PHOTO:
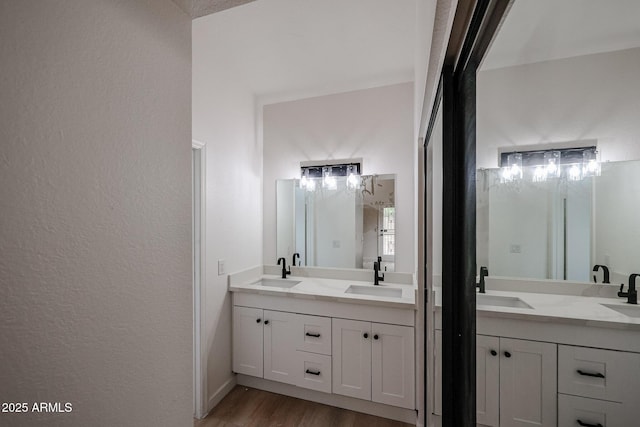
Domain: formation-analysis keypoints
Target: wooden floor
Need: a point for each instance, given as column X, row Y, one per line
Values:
column 256, row 408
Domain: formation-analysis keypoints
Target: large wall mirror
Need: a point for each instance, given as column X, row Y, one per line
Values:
column 342, row 227
column 559, row 78
column 560, row 228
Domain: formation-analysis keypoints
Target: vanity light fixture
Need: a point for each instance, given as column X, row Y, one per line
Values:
column 572, row 164
column 328, row 175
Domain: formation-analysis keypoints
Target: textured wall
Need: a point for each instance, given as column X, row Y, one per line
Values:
column 373, row 124
column 95, row 223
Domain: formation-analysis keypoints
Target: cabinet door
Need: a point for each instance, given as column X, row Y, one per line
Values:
column 437, row 373
column 487, row 380
column 581, row 411
column 528, row 383
column 247, row 341
column 351, row 358
column 279, row 346
column 393, row 365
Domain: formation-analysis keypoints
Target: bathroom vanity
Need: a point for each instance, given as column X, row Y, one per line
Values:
column 328, row 335
column 569, row 357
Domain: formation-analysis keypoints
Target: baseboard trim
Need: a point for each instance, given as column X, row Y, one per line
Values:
column 344, row 402
column 220, row 393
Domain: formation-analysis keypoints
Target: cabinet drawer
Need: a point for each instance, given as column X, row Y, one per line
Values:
column 599, row 374
column 314, row 371
column 314, row 334
column 582, row 411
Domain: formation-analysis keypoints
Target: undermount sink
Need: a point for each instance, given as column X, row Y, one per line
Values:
column 627, row 310
column 500, row 301
column 376, row 291
column 277, row 283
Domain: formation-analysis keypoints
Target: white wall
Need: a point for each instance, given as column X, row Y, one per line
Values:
column 224, row 119
column 373, row 124
column 95, row 230
column 586, row 97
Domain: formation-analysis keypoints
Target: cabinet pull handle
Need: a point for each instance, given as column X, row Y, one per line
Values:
column 309, row 334
column 507, row 354
column 583, row 424
column 366, row 335
column 494, row 353
column 258, row 320
column 375, row 337
column 312, row 372
column 266, row 322
column 590, row 374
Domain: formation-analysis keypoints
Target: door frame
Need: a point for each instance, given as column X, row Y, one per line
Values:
column 475, row 24
column 199, row 288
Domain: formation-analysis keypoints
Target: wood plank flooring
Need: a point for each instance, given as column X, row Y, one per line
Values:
column 247, row 407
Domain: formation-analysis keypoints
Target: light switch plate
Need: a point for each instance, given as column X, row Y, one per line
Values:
column 221, row 267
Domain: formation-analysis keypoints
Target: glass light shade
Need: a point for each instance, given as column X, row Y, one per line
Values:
column 552, row 163
column 328, row 180
column 590, row 163
column 306, row 181
column 353, row 178
column 540, row 174
column 574, row 173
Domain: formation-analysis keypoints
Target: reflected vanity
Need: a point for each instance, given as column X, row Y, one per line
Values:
column 341, row 227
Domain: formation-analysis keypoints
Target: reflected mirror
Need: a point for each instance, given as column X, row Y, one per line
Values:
column 560, row 228
column 339, row 227
column 560, row 78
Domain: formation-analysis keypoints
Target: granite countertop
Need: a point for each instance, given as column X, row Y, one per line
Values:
column 332, row 287
column 558, row 308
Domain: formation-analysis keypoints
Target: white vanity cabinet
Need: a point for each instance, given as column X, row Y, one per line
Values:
column 271, row 344
column 515, row 380
column 248, row 341
column 374, row 361
column 597, row 387
column 528, row 383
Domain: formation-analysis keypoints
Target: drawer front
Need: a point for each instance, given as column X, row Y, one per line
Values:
column 585, row 412
column 314, row 334
column 314, row 371
column 599, row 374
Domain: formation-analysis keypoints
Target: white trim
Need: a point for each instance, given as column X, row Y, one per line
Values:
column 220, row 394
column 197, row 144
column 199, row 299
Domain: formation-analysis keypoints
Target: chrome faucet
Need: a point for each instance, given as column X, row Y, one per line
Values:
column 605, row 269
column 284, row 268
column 632, row 293
column 376, row 269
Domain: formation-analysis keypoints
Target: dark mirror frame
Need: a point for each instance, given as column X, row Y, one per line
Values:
column 474, row 27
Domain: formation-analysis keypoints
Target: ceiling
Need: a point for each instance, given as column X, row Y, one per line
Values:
column 542, row 30
column 197, row 8
column 288, row 49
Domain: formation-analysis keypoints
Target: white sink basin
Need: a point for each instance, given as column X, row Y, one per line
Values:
column 628, row 310
column 376, row 291
column 277, row 283
column 500, row 301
